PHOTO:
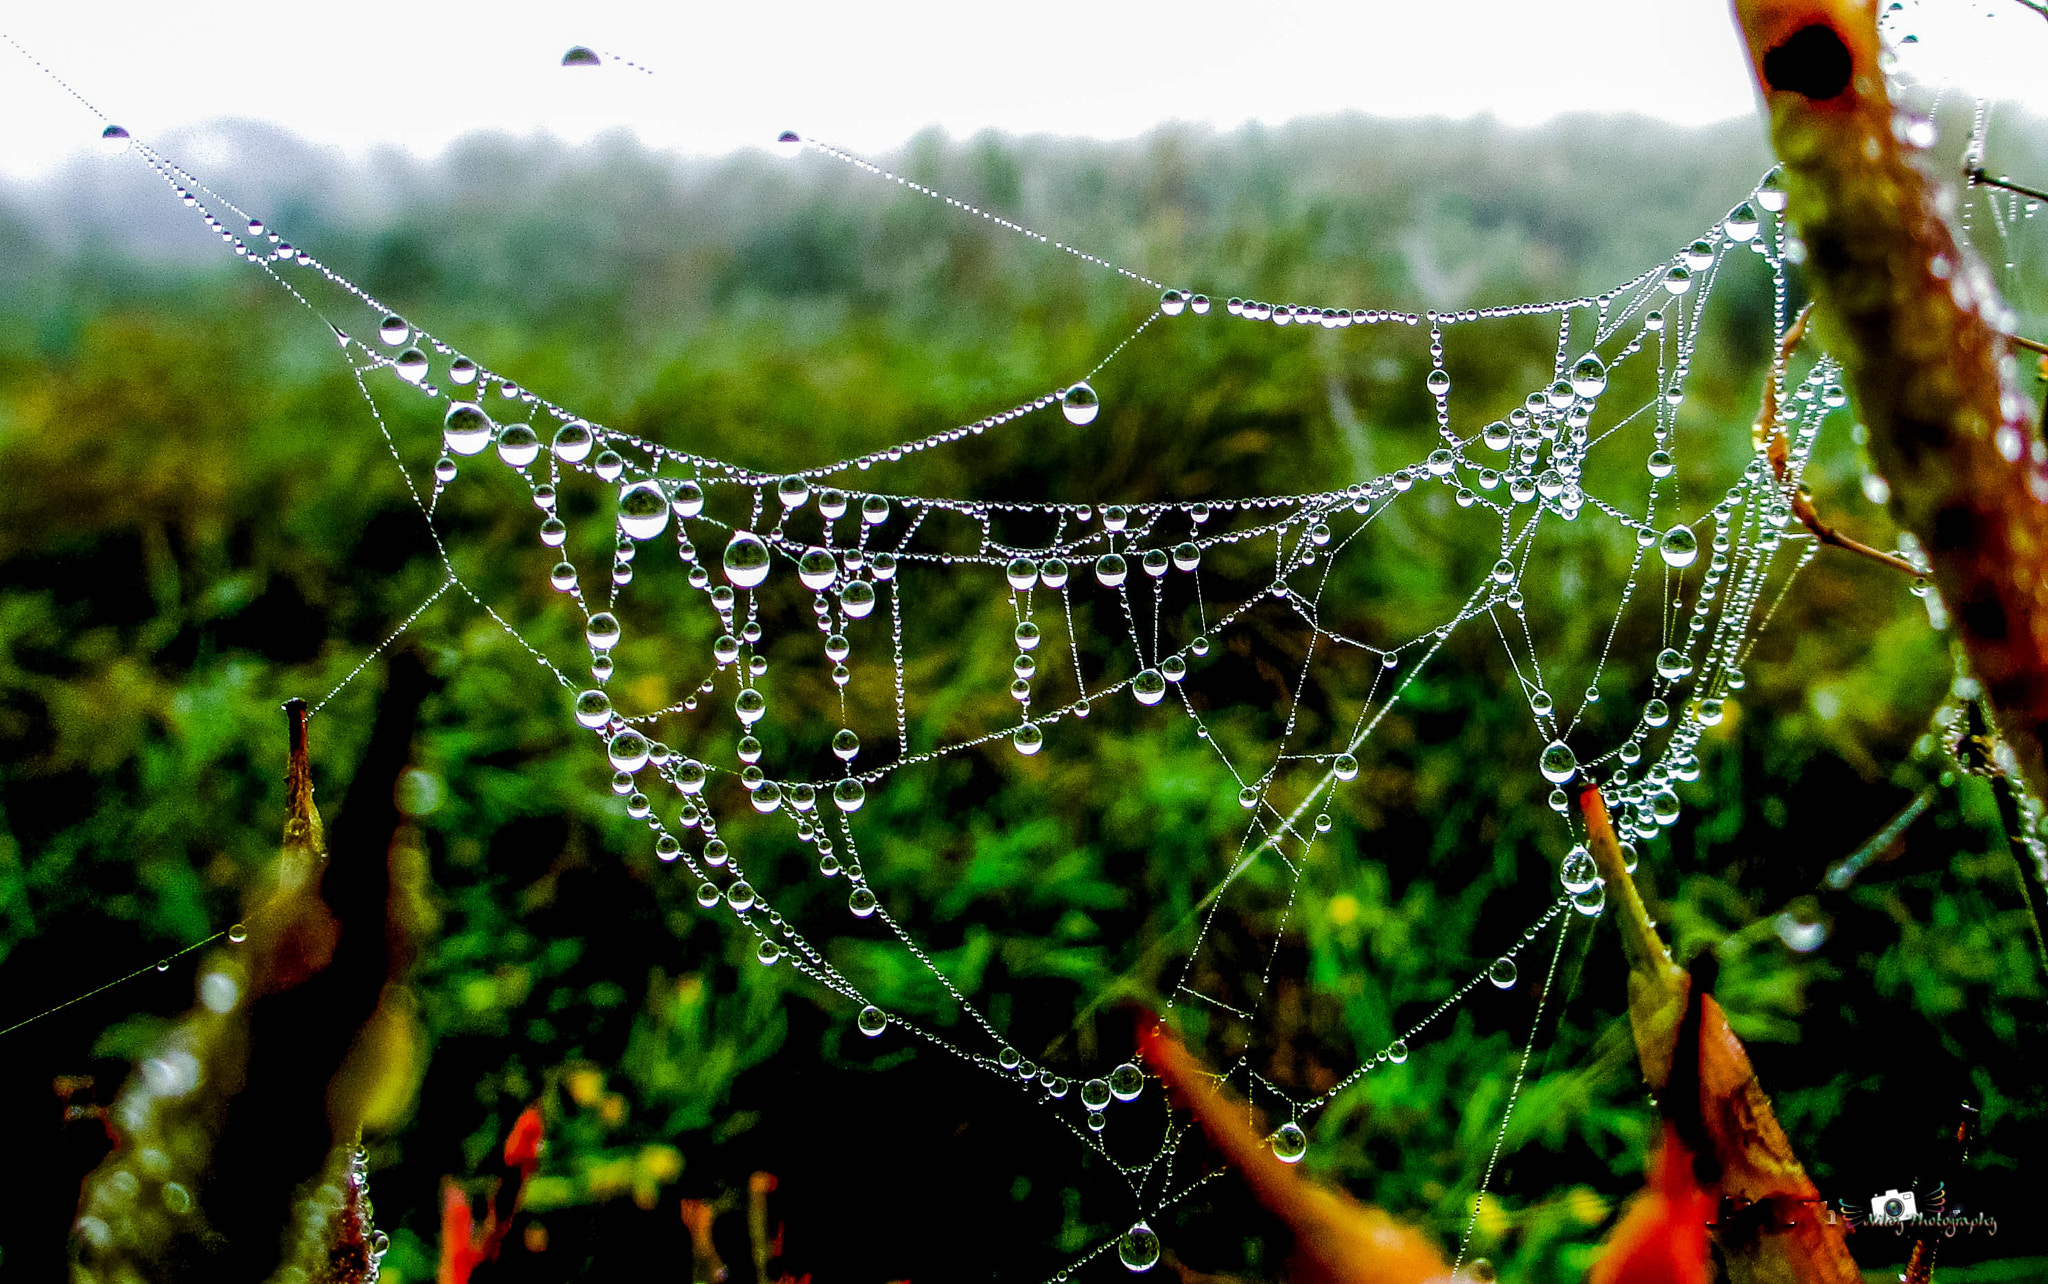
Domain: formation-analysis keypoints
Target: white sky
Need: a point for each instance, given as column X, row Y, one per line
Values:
column 869, row 75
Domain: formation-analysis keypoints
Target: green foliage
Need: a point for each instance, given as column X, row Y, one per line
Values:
column 200, row 520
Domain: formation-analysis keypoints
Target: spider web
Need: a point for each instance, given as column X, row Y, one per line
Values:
column 826, row 569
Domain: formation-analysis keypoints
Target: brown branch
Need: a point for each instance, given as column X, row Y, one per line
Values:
column 1772, row 1226
column 1918, row 325
column 275, row 1062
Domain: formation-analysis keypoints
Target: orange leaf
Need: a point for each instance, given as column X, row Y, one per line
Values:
column 1337, row 1240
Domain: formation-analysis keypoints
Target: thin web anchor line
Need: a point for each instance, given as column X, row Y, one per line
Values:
column 385, row 645
column 146, row 968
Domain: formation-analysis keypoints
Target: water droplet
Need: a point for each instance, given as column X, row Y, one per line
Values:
column 1741, row 223
column 1659, row 463
column 1656, row 713
column 1699, row 255
column 857, row 599
column 1672, row 664
column 573, row 442
column 750, row 705
column 518, row 445
column 861, row 902
column 849, row 794
column 1110, row 570
column 628, row 751
column 1558, row 763
column 581, row 56
column 1771, row 192
column 1589, row 377
column 1095, row 1094
column 687, row 500
column 1149, row 686
column 817, row 568
column 238, row 933
column 1187, row 556
column 1679, row 547
column 593, row 708
column 1503, row 973
column 746, row 560
column 769, row 952
column 1289, row 1143
column 1172, row 302
column 1126, row 1082
column 1590, row 901
column 1138, row 1248
column 1802, row 926
column 1028, row 739
column 740, row 896
column 466, row 429
column 1438, row 383
column 1578, row 872
column 393, row 330
column 1080, row 404
column 1712, row 710
column 114, row 140
column 872, row 1020
column 1540, row 702
column 1664, row 807
column 411, row 365
column 1344, row 767
column 602, row 632
column 1027, row 636
column 1397, row 1051
column 643, row 510
column 1679, row 279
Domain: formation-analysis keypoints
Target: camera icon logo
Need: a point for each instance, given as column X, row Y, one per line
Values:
column 1895, row 1206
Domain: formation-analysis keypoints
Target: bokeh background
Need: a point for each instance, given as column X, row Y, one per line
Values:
column 199, row 520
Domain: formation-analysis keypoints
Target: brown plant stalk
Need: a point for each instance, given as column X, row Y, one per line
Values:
column 1773, row 1227
column 1924, row 340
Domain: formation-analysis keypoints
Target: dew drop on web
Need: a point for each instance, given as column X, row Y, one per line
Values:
column 746, row 560
column 1138, row 1248
column 1289, row 1143
column 1080, row 404
column 1679, row 547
